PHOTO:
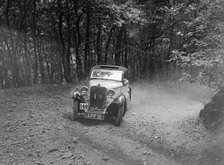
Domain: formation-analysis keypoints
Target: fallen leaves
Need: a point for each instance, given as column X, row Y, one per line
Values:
column 7, row 123
column 52, row 150
column 105, row 158
column 75, row 140
column 67, row 155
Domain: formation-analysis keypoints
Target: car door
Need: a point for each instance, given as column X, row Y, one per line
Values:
column 125, row 91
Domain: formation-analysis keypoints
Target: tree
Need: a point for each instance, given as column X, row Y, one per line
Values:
column 56, row 41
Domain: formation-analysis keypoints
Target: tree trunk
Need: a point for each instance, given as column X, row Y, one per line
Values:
column 12, row 54
column 41, row 64
column 27, row 61
column 108, row 44
column 98, row 42
column 78, row 58
column 35, row 80
column 118, row 46
column 48, row 78
column 1, row 78
column 60, row 23
column 52, row 64
column 68, row 76
column 7, row 83
column 87, row 41
column 125, row 60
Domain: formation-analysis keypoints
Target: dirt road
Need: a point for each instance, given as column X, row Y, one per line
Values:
column 161, row 128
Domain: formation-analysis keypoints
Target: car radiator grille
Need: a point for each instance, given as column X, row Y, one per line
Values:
column 97, row 97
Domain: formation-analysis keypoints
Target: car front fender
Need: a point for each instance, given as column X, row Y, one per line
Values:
column 120, row 100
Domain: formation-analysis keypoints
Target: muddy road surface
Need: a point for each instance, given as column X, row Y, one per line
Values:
column 160, row 128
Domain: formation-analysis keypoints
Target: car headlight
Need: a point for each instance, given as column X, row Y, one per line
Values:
column 84, row 90
column 76, row 93
column 110, row 92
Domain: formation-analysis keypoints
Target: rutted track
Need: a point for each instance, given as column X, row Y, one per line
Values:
column 36, row 129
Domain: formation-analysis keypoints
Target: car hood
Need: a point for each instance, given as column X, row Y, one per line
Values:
column 109, row 84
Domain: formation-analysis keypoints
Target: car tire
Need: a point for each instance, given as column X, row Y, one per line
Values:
column 75, row 109
column 120, row 114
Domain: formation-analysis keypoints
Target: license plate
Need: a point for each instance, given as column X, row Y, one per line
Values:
column 94, row 116
column 84, row 106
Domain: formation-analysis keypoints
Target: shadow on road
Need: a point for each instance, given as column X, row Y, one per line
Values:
column 89, row 122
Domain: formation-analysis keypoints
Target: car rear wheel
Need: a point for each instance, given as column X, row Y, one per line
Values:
column 120, row 114
column 75, row 108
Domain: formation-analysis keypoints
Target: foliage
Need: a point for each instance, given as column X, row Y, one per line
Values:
column 203, row 42
column 59, row 40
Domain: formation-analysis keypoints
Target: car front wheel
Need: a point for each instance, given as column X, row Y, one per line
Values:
column 75, row 108
column 120, row 114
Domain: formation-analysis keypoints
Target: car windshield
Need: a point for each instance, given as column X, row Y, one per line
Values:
column 107, row 74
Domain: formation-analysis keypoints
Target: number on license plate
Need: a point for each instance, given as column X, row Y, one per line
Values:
column 84, row 106
column 94, row 116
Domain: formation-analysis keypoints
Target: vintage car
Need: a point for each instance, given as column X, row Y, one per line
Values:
column 107, row 96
